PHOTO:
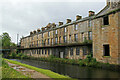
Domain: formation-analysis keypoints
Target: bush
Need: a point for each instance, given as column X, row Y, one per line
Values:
column 12, row 55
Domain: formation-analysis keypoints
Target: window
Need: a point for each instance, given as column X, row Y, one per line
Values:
column 56, row 40
column 84, row 51
column 32, row 43
column 39, row 51
column 42, row 51
column 56, row 32
column 60, row 39
column 90, row 23
column 106, row 20
column 52, row 41
column 77, row 51
column 37, row 36
column 65, row 29
column 83, row 36
column 42, row 35
column 65, row 39
column 48, row 34
column 76, row 37
column 42, row 42
column 76, row 27
column 71, row 51
column 45, row 51
column 48, row 51
column 37, row 43
column 90, row 35
column 70, row 37
column 45, row 41
column 106, row 50
column 48, row 41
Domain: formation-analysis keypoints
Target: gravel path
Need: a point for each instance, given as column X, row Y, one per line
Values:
column 28, row 72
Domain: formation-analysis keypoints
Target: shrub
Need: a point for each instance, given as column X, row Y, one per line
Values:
column 12, row 55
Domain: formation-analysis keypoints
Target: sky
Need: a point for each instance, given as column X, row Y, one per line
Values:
column 22, row 16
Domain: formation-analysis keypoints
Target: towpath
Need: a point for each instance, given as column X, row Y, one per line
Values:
column 28, row 72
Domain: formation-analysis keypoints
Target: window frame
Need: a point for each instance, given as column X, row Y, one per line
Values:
column 104, row 21
column 56, row 32
column 75, row 37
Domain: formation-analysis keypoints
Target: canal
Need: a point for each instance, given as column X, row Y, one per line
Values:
column 73, row 71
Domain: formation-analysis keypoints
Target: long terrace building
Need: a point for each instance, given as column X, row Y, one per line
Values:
column 97, row 34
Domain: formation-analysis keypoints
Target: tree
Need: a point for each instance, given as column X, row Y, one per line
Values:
column 6, row 40
column 13, row 44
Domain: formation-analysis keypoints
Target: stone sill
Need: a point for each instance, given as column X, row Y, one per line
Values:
column 106, row 56
column 103, row 26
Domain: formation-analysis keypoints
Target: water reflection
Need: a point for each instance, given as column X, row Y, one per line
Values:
column 72, row 70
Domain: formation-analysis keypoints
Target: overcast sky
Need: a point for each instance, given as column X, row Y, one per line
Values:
column 22, row 16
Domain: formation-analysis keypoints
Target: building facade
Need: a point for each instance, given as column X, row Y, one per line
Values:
column 97, row 34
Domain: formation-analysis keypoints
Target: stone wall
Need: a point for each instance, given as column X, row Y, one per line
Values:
column 106, row 34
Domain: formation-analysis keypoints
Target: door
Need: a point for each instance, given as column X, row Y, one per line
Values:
column 61, row 54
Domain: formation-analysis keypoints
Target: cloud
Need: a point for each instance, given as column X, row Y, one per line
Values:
column 22, row 16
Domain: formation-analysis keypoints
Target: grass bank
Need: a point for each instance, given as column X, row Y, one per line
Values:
column 49, row 73
column 8, row 72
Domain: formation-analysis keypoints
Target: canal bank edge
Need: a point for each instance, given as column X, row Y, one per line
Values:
column 49, row 73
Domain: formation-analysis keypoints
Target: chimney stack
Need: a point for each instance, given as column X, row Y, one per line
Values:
column 91, row 13
column 108, row 2
column 68, row 21
column 38, row 30
column 60, row 23
column 34, row 31
column 48, row 26
column 54, row 25
column 31, row 33
column 78, row 17
column 43, row 28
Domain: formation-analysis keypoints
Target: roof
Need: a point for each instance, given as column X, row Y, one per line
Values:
column 104, row 11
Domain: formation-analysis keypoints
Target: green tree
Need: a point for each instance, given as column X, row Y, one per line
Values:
column 12, row 44
column 6, row 40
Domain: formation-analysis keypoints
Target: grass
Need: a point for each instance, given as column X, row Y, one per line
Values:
column 43, row 71
column 8, row 72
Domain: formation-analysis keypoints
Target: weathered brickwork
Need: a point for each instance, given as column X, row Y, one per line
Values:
column 96, row 34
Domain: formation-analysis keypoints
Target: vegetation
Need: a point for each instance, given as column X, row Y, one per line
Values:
column 19, row 56
column 87, row 41
column 43, row 71
column 8, row 72
column 89, row 61
column 5, row 40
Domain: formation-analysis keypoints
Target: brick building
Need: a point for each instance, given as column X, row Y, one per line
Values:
column 97, row 34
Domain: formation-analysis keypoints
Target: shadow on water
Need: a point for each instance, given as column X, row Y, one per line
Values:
column 73, row 71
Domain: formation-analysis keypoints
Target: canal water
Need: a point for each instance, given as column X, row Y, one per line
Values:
column 73, row 71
